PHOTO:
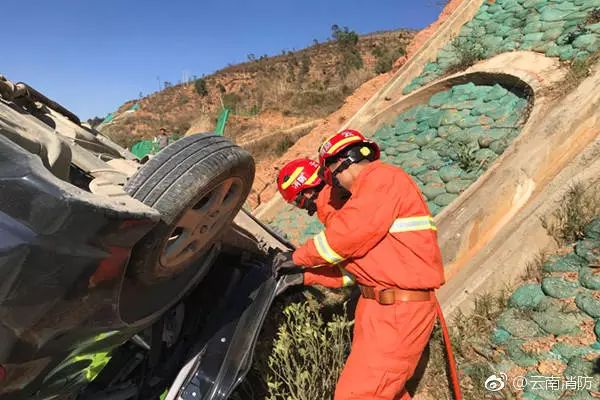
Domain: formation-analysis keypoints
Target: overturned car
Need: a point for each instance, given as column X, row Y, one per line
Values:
column 122, row 279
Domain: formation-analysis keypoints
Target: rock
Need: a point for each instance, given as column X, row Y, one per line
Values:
column 450, row 172
column 527, row 296
column 517, row 324
column 500, row 336
column 444, row 199
column 433, row 189
column 405, row 147
column 592, row 230
column 559, row 288
column 457, row 186
column 588, row 304
column 557, row 323
column 568, row 263
column 590, row 250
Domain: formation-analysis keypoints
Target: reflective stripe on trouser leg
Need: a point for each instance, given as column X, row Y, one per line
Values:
column 325, row 251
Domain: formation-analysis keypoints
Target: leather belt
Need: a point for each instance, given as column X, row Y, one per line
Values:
column 395, row 295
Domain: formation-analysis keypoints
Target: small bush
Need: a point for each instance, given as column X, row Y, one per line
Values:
column 578, row 70
column 308, row 354
column 593, row 17
column 579, row 206
column 231, row 101
column 200, row 86
column 466, row 157
column 469, row 50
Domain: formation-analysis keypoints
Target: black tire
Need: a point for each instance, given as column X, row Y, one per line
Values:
column 176, row 181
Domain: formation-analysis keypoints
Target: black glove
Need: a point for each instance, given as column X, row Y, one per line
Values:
column 288, row 281
column 282, row 263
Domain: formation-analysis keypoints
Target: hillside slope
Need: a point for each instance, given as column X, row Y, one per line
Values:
column 266, row 94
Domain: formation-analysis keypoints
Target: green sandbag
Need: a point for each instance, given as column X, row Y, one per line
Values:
column 428, row 154
column 439, row 98
column 490, row 135
column 434, row 209
column 518, row 324
column 425, row 112
column 496, row 93
column 517, row 355
column 500, row 336
column 406, row 127
column 433, row 189
column 567, row 263
column 590, row 278
column 410, row 155
column 568, row 351
column 559, row 288
column 405, row 147
column 527, row 296
column 446, row 130
column 592, row 230
column 445, row 199
column 557, row 323
column 588, row 303
column 430, row 177
column 450, row 172
column 422, row 127
column 589, row 42
column 391, row 151
column 589, row 249
column 424, row 138
column 498, row 146
column 436, row 164
column 457, row 186
column 578, row 366
column 485, row 155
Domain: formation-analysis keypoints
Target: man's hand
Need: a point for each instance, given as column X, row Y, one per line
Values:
column 282, row 263
column 288, row 281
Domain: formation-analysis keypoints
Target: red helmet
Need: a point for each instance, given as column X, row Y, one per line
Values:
column 341, row 141
column 296, row 176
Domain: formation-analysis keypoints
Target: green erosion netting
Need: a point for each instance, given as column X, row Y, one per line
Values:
column 554, row 323
column 445, row 145
column 557, row 28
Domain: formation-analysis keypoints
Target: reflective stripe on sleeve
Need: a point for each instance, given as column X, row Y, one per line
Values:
column 412, row 224
column 325, row 251
column 347, row 277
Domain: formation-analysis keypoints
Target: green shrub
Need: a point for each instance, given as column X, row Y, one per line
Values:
column 231, row 101
column 308, row 354
column 200, row 86
column 469, row 50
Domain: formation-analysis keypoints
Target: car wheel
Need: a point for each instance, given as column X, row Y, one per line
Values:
column 198, row 184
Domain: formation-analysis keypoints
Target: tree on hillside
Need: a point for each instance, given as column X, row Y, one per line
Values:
column 347, row 43
column 200, row 86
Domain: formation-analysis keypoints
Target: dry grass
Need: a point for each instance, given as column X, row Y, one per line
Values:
column 577, row 71
column 580, row 205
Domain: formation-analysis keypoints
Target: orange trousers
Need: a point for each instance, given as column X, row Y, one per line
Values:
column 387, row 345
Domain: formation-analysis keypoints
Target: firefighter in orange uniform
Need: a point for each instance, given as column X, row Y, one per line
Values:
column 299, row 184
column 386, row 232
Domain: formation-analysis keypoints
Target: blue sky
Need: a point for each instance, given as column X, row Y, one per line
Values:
column 92, row 56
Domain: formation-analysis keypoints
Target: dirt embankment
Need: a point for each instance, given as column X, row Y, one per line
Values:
column 267, row 169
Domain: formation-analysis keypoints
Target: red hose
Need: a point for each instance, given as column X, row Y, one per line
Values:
column 449, row 353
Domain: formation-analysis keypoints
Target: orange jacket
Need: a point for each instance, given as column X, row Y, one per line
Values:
column 385, row 230
column 331, row 276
